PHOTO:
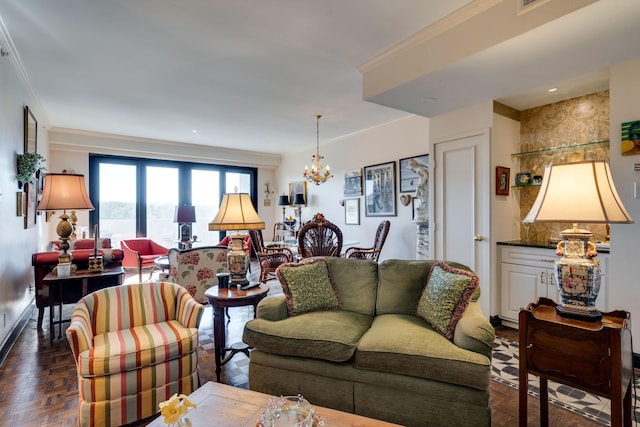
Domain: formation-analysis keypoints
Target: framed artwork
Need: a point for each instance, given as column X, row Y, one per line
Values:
column 296, row 188
column 352, row 211
column 30, row 132
column 409, row 179
column 502, row 181
column 380, row 189
column 630, row 138
column 31, row 204
column 353, row 183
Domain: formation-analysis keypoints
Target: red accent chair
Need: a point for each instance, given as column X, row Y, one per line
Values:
column 141, row 253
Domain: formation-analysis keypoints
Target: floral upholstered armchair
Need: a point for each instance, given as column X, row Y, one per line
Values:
column 195, row 269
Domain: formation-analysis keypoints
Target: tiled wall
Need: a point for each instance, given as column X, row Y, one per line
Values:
column 545, row 131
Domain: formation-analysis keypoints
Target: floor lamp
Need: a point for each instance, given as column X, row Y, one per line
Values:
column 237, row 213
column 581, row 192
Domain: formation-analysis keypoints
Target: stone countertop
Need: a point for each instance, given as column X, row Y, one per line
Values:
column 601, row 248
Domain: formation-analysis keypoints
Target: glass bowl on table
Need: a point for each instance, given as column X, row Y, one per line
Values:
column 289, row 411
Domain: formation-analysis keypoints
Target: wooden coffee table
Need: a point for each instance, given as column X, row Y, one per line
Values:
column 226, row 406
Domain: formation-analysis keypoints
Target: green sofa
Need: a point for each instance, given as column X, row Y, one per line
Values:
column 374, row 356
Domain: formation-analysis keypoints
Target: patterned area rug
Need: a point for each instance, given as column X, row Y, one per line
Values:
column 505, row 371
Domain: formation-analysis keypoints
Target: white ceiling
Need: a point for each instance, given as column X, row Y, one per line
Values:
column 252, row 74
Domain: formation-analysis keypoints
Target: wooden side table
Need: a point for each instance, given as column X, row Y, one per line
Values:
column 220, row 299
column 109, row 276
column 592, row 356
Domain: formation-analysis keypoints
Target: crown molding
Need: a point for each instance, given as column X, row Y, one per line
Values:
column 447, row 23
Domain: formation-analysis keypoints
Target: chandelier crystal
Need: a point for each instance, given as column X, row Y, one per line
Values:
column 318, row 173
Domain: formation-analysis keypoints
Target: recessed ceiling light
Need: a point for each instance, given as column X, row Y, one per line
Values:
column 194, row 131
column 553, row 89
column 429, row 99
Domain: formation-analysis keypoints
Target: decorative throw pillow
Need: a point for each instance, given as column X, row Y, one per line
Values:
column 446, row 296
column 308, row 286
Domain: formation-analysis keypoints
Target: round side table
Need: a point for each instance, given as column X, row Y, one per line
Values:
column 220, row 299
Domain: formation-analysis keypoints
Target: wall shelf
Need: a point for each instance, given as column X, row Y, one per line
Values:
column 559, row 149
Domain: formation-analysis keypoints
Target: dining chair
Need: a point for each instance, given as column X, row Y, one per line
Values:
column 319, row 237
column 372, row 253
column 269, row 258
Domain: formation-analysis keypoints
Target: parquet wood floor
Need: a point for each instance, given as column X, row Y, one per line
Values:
column 38, row 386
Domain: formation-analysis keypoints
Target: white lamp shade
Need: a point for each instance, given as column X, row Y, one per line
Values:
column 236, row 213
column 64, row 191
column 581, row 192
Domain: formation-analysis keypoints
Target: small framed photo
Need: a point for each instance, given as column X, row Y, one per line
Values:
column 380, row 189
column 409, row 178
column 502, row 181
column 523, row 179
column 352, row 211
column 353, row 183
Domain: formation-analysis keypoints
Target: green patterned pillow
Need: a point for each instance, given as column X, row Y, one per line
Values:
column 446, row 296
column 308, row 286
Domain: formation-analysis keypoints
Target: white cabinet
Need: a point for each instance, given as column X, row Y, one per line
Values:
column 527, row 273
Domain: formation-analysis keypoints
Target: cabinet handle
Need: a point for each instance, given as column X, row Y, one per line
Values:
column 542, row 277
column 529, row 346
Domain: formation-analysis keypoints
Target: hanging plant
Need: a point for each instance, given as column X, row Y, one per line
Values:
column 28, row 165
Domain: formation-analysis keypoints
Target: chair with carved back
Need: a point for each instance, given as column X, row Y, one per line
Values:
column 319, row 237
column 372, row 253
column 269, row 258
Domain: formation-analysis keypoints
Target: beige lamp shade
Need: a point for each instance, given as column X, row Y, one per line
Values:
column 236, row 213
column 64, row 191
column 581, row 192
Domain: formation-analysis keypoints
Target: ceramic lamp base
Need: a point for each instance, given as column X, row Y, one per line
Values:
column 578, row 276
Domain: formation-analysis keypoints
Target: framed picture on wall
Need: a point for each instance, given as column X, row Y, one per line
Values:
column 352, row 211
column 299, row 187
column 502, row 181
column 409, row 179
column 353, row 183
column 30, row 132
column 380, row 189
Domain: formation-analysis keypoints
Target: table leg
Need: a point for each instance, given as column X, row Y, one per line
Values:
column 544, row 403
column 218, row 338
column 51, row 304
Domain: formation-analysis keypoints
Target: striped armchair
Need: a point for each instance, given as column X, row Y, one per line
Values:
column 134, row 347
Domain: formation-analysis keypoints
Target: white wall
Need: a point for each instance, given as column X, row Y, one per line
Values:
column 402, row 138
column 624, row 283
column 17, row 243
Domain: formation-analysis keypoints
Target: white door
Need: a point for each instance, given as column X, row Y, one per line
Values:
column 462, row 205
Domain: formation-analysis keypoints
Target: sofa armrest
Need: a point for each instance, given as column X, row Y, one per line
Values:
column 80, row 333
column 273, row 308
column 188, row 310
column 474, row 332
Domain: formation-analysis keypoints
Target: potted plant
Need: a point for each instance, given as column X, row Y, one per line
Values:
column 28, row 165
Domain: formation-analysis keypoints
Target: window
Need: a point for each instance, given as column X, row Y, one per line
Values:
column 137, row 197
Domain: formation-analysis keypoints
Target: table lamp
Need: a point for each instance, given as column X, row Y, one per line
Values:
column 283, row 201
column 185, row 215
column 64, row 191
column 237, row 213
column 578, row 192
column 298, row 202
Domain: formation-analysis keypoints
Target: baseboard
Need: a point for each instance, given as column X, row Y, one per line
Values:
column 12, row 338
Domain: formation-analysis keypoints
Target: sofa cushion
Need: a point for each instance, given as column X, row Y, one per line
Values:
column 327, row 335
column 308, row 286
column 407, row 345
column 129, row 349
column 446, row 296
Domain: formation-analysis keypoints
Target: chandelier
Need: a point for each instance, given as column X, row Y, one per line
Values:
column 318, row 173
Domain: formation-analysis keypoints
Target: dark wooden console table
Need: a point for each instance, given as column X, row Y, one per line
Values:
column 592, row 356
column 110, row 276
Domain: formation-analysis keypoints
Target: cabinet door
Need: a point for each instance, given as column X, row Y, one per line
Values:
column 552, row 285
column 520, row 285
